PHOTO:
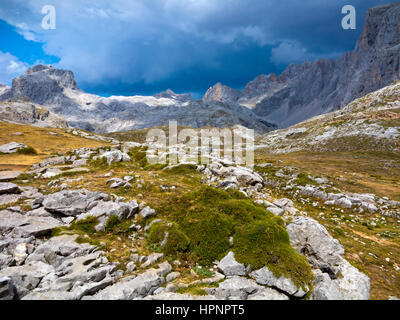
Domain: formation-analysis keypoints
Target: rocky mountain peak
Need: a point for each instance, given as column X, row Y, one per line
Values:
column 169, row 94
column 219, row 92
column 42, row 84
column 313, row 88
column 382, row 28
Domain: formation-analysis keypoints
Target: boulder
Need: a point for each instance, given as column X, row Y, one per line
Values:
column 57, row 249
column 50, row 162
column 152, row 259
column 265, row 277
column 123, row 210
column 9, row 188
column 311, row 238
column 244, row 176
column 352, row 285
column 230, row 267
column 9, row 175
column 134, row 287
column 115, row 156
column 237, row 288
column 325, row 288
column 172, row 276
column 12, row 147
column 27, row 277
column 147, row 212
column 26, row 226
column 72, row 203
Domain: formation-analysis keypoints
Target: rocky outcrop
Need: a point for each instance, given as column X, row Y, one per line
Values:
column 265, row 277
column 26, row 112
column 230, row 267
column 220, row 92
column 335, row 278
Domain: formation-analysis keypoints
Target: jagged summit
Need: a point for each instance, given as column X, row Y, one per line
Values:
column 312, row 88
column 219, row 92
column 169, row 94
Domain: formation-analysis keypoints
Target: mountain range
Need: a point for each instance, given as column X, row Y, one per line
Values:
column 269, row 101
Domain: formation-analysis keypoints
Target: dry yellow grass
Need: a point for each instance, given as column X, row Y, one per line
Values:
column 40, row 139
column 364, row 172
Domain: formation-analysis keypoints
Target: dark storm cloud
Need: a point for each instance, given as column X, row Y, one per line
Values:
column 144, row 46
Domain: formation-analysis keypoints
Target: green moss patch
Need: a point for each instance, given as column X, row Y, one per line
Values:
column 208, row 217
column 175, row 240
column 27, row 151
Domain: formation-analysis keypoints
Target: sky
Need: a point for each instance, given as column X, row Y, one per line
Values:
column 122, row 47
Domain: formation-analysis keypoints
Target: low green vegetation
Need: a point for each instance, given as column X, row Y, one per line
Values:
column 175, row 240
column 27, row 151
column 303, row 179
column 202, row 221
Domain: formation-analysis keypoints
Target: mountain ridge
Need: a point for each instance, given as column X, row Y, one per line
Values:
column 305, row 90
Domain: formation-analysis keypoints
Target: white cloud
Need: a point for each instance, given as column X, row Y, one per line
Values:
column 10, row 67
column 289, row 51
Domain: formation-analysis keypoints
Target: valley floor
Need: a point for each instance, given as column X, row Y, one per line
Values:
column 371, row 239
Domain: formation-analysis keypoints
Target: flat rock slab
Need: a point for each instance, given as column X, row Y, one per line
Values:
column 8, row 188
column 9, row 175
column 6, row 199
column 26, row 226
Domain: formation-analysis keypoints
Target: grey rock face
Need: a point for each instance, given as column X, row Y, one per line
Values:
column 120, row 209
column 27, row 277
column 309, row 237
column 55, row 250
column 220, row 92
column 26, row 112
column 325, row 288
column 353, row 285
column 230, row 267
column 339, row 280
column 9, row 175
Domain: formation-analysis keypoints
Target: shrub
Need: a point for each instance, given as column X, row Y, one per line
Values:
column 111, row 223
column 87, row 225
column 27, row 151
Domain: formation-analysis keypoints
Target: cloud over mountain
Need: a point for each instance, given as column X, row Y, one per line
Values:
column 148, row 43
